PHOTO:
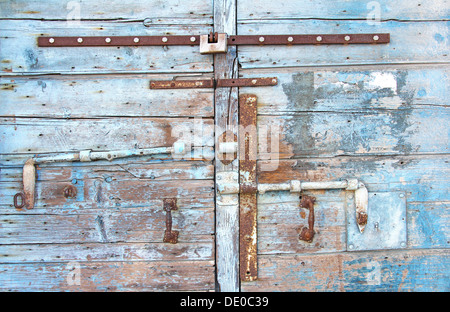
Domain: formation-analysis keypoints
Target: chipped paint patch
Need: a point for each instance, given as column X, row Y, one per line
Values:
column 382, row 80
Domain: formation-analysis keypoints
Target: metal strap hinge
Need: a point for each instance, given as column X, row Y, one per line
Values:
column 214, row 43
column 27, row 197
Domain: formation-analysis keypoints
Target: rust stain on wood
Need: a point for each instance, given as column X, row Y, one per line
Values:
column 247, row 181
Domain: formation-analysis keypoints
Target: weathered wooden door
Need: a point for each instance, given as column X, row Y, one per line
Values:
column 369, row 112
column 110, row 235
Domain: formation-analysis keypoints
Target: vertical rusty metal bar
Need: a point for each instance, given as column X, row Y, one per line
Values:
column 170, row 236
column 248, row 147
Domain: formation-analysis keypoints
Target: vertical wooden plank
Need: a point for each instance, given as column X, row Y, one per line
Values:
column 226, row 118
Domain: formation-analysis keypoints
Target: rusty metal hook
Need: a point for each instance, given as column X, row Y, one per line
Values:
column 307, row 233
column 170, row 236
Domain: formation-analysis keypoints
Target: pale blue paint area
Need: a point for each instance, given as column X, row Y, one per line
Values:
column 398, row 272
column 439, row 38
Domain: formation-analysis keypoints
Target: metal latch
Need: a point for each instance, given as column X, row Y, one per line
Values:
column 295, row 186
column 213, row 43
column 245, row 184
column 29, row 169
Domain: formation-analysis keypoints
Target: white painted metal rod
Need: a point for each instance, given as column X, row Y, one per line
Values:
column 29, row 170
column 177, row 148
column 298, row 186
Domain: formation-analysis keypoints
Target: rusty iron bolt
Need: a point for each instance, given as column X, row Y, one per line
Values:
column 70, row 191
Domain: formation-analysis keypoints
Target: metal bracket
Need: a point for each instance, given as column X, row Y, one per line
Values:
column 213, row 43
column 211, row 83
column 385, row 226
column 248, row 236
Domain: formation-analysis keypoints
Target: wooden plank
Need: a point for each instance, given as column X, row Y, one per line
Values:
column 355, row 89
column 197, row 11
column 21, row 55
column 107, row 252
column 381, row 10
column 120, row 225
column 100, row 96
column 391, row 271
column 102, row 193
column 226, row 118
column 406, row 131
column 108, row 276
column 411, row 42
column 23, row 135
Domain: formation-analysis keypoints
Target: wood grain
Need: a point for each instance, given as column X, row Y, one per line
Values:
column 389, row 271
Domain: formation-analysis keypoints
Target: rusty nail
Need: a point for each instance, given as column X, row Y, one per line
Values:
column 307, row 233
column 70, row 191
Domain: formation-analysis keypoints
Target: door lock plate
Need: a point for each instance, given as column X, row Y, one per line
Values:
column 386, row 223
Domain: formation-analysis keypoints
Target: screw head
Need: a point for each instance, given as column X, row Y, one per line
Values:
column 261, row 39
column 164, row 39
column 274, row 80
column 80, row 40
column 376, row 38
column 70, row 191
column 290, row 39
column 107, row 40
column 254, row 81
column 319, row 38
column 136, row 40
column 351, row 246
column 192, row 39
column 347, row 38
column 51, row 40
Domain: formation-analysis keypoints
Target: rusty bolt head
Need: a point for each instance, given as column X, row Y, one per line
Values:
column 70, row 191
column 307, row 235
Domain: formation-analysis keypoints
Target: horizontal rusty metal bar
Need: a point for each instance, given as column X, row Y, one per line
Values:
column 182, row 84
column 309, row 39
column 115, row 41
column 211, row 83
column 91, row 41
